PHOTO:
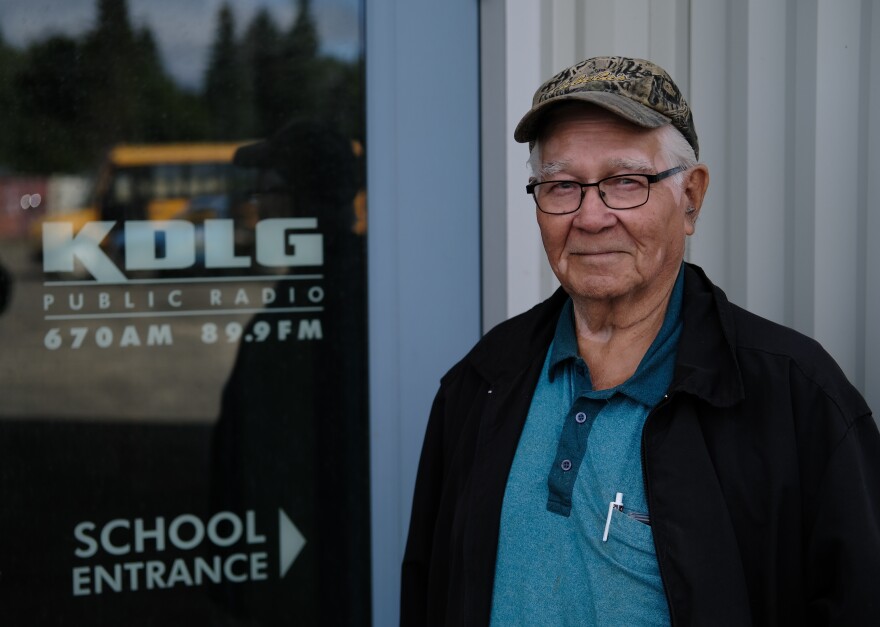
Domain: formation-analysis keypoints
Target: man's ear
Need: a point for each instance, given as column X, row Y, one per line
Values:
column 696, row 184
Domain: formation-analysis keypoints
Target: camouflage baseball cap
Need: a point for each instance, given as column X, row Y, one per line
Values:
column 635, row 89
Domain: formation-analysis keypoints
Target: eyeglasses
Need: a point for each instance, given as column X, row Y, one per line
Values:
column 623, row 191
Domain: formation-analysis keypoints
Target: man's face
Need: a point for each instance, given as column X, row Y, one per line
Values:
column 602, row 254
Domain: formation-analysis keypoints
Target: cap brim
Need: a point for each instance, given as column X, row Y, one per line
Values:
column 622, row 106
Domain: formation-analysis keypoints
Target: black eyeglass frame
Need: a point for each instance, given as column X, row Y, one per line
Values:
column 651, row 178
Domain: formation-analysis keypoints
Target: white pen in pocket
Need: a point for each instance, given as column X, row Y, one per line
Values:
column 616, row 504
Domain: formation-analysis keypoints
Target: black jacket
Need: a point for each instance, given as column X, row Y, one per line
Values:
column 761, row 467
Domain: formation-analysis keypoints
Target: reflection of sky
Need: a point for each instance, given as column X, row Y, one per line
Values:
column 184, row 30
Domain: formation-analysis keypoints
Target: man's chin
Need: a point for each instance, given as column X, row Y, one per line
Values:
column 597, row 289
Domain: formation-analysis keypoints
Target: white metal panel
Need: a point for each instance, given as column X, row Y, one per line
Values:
column 560, row 24
column 646, row 29
column 599, row 38
column 802, row 154
column 525, row 254
column 763, row 191
column 631, row 27
column 837, row 138
column 709, row 246
column 871, row 173
column 735, row 66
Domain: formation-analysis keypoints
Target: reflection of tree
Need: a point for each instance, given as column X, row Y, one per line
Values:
column 283, row 69
column 9, row 62
column 76, row 96
column 165, row 112
column 48, row 96
column 260, row 48
column 299, row 50
column 109, row 52
column 228, row 94
column 284, row 77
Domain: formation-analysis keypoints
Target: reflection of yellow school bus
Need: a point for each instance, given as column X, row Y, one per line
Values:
column 150, row 182
column 197, row 182
column 155, row 182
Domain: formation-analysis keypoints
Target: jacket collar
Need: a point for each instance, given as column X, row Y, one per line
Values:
column 512, row 346
column 706, row 364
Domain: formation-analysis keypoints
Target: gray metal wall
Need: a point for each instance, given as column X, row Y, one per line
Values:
column 423, row 236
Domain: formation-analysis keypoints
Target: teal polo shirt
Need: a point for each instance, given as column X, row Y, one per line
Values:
column 578, row 449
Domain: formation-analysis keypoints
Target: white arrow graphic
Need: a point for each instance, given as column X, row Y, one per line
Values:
column 290, row 542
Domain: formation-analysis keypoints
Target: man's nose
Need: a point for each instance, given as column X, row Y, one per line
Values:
column 593, row 215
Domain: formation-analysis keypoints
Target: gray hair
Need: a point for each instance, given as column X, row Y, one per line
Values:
column 676, row 151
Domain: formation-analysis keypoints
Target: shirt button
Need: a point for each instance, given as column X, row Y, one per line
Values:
column 580, row 417
column 566, row 465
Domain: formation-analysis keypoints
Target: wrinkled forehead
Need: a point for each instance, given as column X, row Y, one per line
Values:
column 567, row 113
column 590, row 134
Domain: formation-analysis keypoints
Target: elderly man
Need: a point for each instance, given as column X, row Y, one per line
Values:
column 636, row 450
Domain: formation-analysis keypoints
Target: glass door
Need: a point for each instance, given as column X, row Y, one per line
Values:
column 183, row 381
